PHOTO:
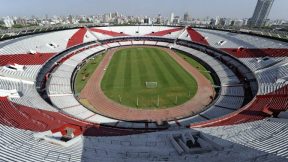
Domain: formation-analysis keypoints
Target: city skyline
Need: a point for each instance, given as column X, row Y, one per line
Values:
column 244, row 8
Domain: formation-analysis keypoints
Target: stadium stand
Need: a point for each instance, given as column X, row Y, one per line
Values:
column 52, row 42
column 164, row 32
column 77, row 38
column 25, row 59
column 109, row 33
column 196, row 37
column 249, row 115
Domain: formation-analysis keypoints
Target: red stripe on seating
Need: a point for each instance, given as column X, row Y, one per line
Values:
column 248, row 53
column 27, row 118
column 25, row 59
column 77, row 38
column 110, row 33
column 3, row 98
column 196, row 36
column 164, row 32
column 275, row 102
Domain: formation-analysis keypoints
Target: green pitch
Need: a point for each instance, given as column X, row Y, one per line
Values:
column 129, row 70
column 197, row 65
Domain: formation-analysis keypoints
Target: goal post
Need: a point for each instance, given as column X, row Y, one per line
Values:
column 151, row 85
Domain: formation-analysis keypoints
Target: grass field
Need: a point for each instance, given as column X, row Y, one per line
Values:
column 197, row 65
column 85, row 72
column 129, row 69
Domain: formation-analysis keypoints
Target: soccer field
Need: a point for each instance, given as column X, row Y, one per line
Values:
column 129, row 70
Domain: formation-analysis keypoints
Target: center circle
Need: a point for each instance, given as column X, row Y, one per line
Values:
column 146, row 78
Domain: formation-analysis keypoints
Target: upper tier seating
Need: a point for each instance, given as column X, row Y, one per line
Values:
column 234, row 40
column 195, row 36
column 52, row 42
column 256, row 52
column 116, row 31
column 29, row 74
column 25, row 59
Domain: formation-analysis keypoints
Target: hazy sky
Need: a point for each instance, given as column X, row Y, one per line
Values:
column 197, row 8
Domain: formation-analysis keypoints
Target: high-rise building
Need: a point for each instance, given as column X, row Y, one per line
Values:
column 147, row 21
column 176, row 20
column 21, row 21
column 172, row 17
column 261, row 13
column 187, row 17
column 8, row 22
column 159, row 19
column 106, row 18
column 217, row 20
column 70, row 19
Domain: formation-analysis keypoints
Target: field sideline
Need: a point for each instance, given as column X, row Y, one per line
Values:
column 86, row 71
column 129, row 69
column 197, row 65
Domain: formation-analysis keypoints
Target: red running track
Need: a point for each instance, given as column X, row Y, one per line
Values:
column 96, row 97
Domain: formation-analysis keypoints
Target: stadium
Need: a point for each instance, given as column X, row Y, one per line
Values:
column 245, row 96
column 143, row 93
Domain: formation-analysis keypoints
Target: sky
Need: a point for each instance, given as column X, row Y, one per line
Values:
column 196, row 8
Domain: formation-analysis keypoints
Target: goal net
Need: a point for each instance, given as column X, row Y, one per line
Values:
column 151, row 84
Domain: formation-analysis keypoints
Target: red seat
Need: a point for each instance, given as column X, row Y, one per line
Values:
column 275, row 102
column 25, row 59
column 247, row 53
column 164, row 32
